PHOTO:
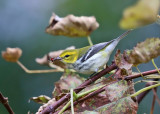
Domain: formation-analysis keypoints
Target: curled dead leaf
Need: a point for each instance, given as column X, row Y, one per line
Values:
column 44, row 59
column 41, row 108
column 72, row 26
column 12, row 54
column 122, row 106
column 145, row 51
column 110, row 100
column 144, row 12
column 64, row 85
column 121, row 60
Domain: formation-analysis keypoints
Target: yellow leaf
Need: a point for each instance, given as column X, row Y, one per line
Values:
column 144, row 12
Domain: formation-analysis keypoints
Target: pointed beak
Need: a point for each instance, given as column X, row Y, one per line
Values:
column 57, row 58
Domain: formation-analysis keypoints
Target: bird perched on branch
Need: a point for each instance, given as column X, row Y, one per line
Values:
column 89, row 59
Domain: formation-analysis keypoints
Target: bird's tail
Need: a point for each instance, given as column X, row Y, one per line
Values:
column 114, row 42
column 124, row 34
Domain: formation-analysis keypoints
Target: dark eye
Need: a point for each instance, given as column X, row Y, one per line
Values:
column 66, row 55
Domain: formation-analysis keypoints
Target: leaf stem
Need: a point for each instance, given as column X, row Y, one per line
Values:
column 39, row 71
column 89, row 40
column 78, row 96
column 72, row 106
column 140, row 72
column 155, row 66
column 144, row 89
column 139, row 81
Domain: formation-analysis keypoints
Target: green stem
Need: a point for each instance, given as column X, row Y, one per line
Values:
column 144, row 89
column 90, row 41
column 139, row 81
column 155, row 66
column 75, row 95
column 78, row 96
column 89, row 91
column 65, row 107
column 153, row 77
column 72, row 107
column 140, row 72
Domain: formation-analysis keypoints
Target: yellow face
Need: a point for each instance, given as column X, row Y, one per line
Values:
column 69, row 56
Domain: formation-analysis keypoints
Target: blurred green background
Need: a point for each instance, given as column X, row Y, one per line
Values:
column 23, row 23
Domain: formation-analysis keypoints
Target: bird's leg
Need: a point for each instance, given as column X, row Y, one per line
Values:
column 106, row 66
column 92, row 74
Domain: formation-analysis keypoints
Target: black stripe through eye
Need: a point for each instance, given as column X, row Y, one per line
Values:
column 66, row 55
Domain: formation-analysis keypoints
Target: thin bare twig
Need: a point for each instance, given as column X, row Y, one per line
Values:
column 153, row 102
column 4, row 101
column 39, row 71
column 133, row 76
column 156, row 96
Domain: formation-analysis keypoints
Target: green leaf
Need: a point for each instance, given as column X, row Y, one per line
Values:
column 42, row 99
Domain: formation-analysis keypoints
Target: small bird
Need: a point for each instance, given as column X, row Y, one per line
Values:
column 89, row 59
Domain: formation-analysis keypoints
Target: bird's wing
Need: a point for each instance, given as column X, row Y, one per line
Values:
column 94, row 49
column 83, row 50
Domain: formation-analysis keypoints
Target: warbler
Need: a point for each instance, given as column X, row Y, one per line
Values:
column 89, row 59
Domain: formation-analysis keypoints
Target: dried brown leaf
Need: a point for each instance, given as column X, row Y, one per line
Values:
column 122, row 106
column 113, row 95
column 144, row 12
column 44, row 59
column 72, row 26
column 121, row 62
column 114, row 99
column 65, row 84
column 145, row 51
column 45, row 105
column 12, row 54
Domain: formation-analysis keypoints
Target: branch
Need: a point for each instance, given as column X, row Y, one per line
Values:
column 58, row 69
column 156, row 96
column 53, row 107
column 153, row 102
column 133, row 76
column 4, row 101
column 91, row 94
